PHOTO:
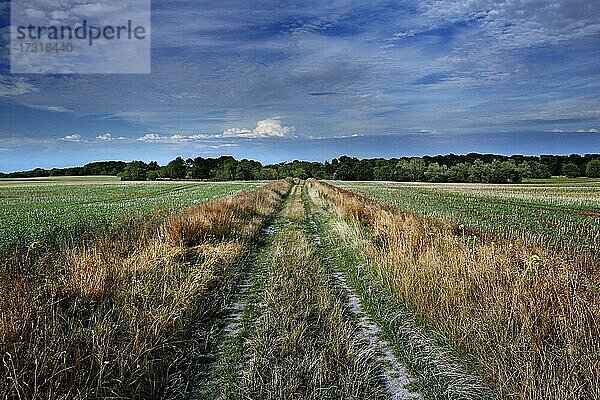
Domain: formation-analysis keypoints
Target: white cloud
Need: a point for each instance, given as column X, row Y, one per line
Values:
column 403, row 35
column 353, row 135
column 101, row 8
column 59, row 15
column 425, row 130
column 104, row 138
column 35, row 13
column 267, row 128
column 237, row 132
column 200, row 136
column 264, row 128
column 157, row 138
column 178, row 138
column 72, row 138
column 575, row 130
column 150, row 137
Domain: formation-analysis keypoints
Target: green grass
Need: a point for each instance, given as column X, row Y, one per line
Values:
column 559, row 180
column 438, row 373
column 59, row 180
column 566, row 219
column 295, row 340
column 40, row 212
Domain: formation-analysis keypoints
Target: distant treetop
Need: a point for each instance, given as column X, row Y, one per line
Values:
column 472, row 167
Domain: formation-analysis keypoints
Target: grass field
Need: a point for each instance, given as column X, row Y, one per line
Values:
column 562, row 180
column 565, row 217
column 302, row 290
column 38, row 210
column 59, row 180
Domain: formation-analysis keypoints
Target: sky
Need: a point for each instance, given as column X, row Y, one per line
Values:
column 312, row 80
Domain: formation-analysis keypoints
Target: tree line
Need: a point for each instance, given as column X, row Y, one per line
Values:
column 473, row 167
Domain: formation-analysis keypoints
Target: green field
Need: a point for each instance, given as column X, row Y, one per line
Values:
column 38, row 209
column 562, row 180
column 59, row 180
column 298, row 289
column 565, row 217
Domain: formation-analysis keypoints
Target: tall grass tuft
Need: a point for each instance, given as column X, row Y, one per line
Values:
column 527, row 317
column 112, row 317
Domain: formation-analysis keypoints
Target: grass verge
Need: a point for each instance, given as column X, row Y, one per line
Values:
column 116, row 318
column 523, row 317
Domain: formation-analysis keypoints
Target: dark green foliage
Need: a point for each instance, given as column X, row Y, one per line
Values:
column 570, row 170
column 472, row 167
column 592, row 170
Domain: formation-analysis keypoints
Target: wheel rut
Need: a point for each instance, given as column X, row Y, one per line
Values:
column 395, row 376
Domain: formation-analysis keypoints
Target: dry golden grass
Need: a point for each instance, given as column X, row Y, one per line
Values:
column 111, row 318
column 233, row 217
column 528, row 316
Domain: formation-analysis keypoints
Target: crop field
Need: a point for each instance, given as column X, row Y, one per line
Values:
column 36, row 210
column 561, row 216
column 302, row 290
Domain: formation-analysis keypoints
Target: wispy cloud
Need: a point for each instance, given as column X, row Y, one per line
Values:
column 55, row 109
column 11, row 86
column 425, row 68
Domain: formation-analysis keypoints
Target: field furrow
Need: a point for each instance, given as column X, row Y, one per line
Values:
column 395, row 376
column 50, row 215
column 295, row 290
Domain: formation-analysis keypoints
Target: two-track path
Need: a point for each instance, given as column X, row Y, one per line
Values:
column 234, row 358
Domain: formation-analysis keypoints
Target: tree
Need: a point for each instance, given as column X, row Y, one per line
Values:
column 176, row 169
column 199, row 168
column 345, row 170
column 592, row 170
column 511, row 172
column 534, row 169
column 570, row 170
column 152, row 175
column 267, row 174
column 246, row 170
column 134, row 171
column 459, row 173
column 416, row 169
column 411, row 170
column 363, row 170
column 435, row 172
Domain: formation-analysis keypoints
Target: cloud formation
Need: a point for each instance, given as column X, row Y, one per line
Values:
column 72, row 138
column 106, row 137
column 432, row 68
column 264, row 128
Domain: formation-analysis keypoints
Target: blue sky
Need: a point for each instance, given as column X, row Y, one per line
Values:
column 312, row 80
